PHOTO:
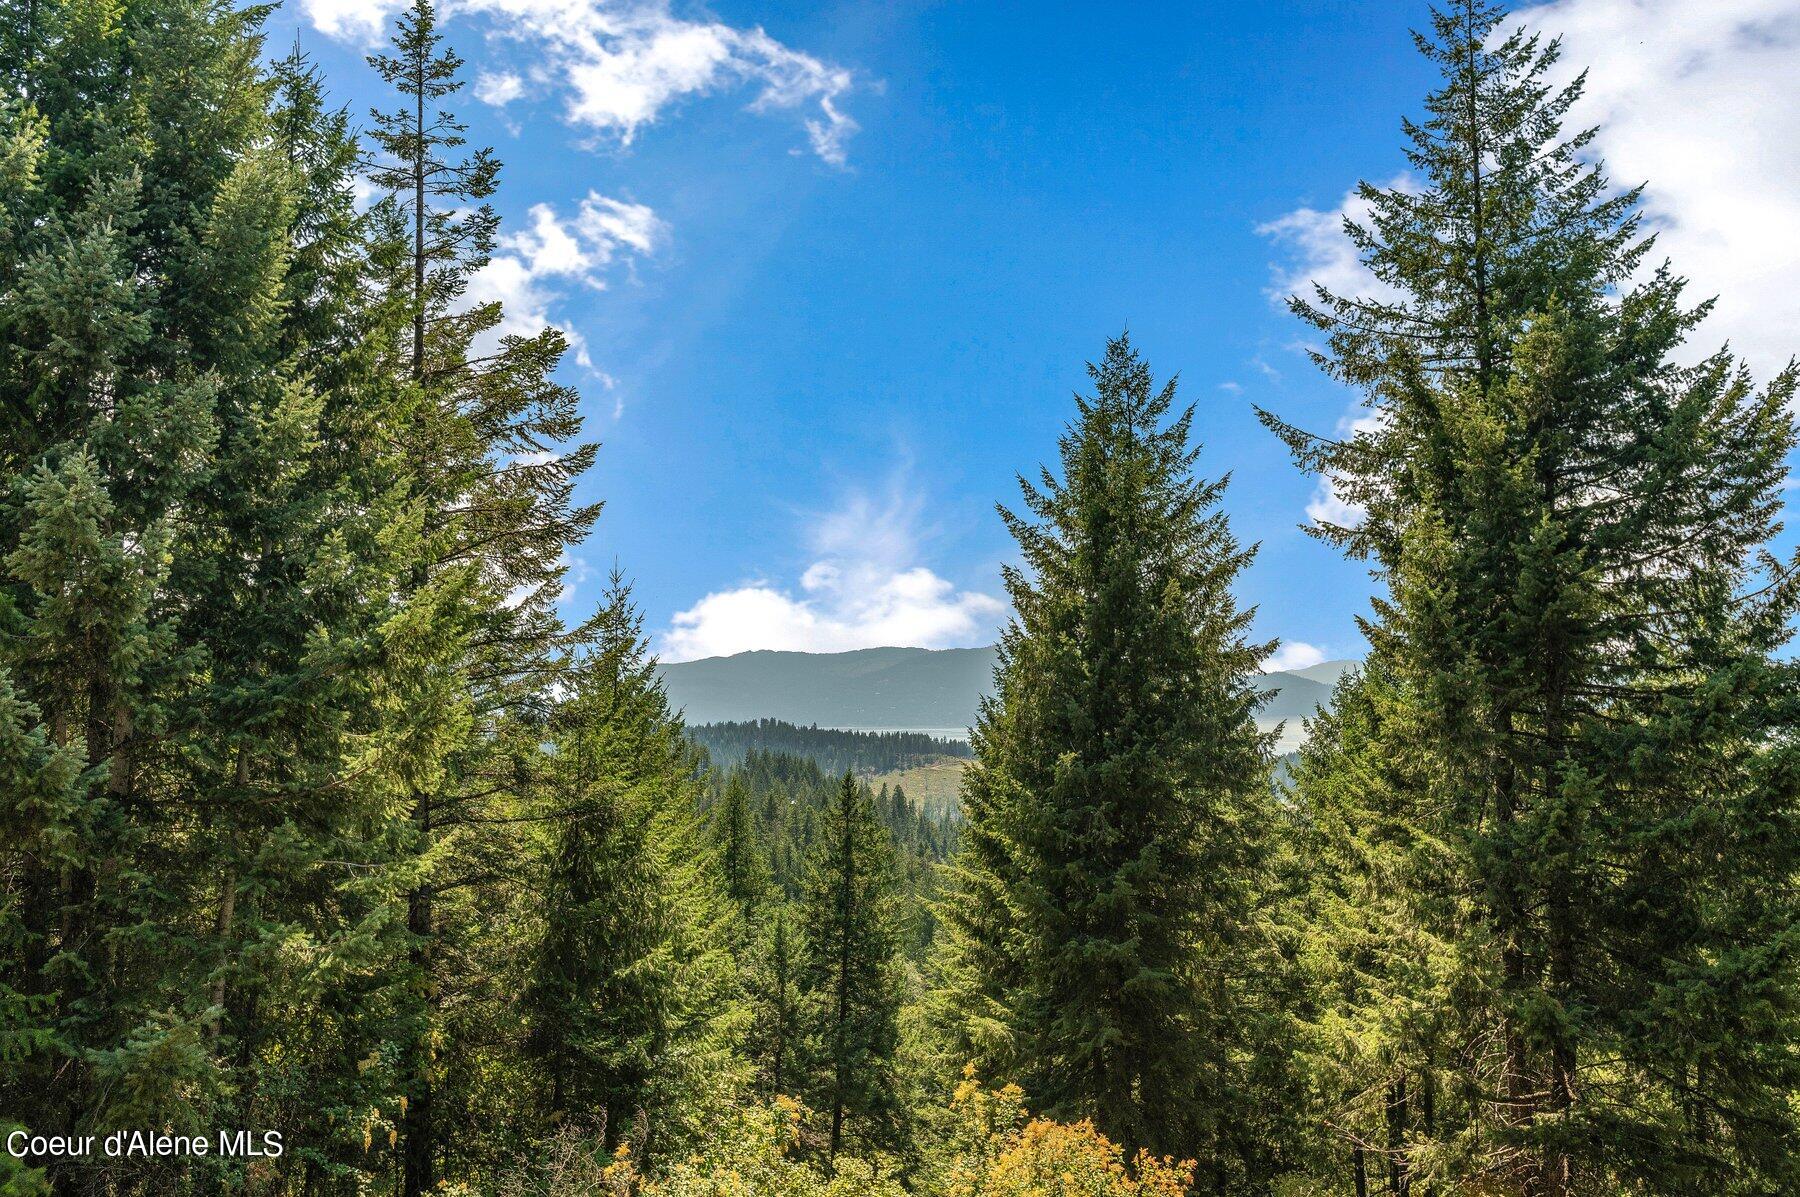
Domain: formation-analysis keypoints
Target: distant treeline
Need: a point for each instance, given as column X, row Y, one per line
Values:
column 836, row 751
column 788, row 800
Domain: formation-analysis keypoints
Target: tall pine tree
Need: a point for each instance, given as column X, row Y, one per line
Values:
column 484, row 427
column 1109, row 948
column 1589, row 800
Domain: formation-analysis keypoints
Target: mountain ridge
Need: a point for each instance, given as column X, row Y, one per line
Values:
column 898, row 688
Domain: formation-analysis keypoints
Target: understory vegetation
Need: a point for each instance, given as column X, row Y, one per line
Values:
column 317, row 816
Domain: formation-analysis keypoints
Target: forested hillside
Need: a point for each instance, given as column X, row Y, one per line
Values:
column 835, row 750
column 320, row 820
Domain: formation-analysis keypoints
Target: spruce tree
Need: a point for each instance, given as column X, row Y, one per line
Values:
column 743, row 864
column 632, row 990
column 772, row 985
column 1588, row 802
column 848, row 968
column 1108, row 937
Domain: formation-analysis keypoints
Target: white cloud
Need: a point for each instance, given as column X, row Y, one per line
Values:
column 829, row 134
column 1328, row 507
column 1319, row 252
column 614, row 223
column 363, row 193
column 1293, row 654
column 1697, row 99
column 361, row 21
column 499, row 89
column 622, row 63
column 864, row 589
column 529, row 264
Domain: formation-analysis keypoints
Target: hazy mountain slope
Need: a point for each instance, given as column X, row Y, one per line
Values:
column 869, row 688
column 1326, row 673
column 900, row 688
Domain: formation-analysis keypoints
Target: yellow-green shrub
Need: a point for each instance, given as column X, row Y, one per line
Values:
column 756, row 1154
column 1000, row 1152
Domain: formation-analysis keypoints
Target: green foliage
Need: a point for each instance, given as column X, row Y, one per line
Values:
column 631, row 993
column 316, row 817
column 171, row 588
column 1559, row 811
column 759, row 1153
column 743, row 858
column 775, row 1041
column 787, row 799
column 1110, row 951
column 848, row 966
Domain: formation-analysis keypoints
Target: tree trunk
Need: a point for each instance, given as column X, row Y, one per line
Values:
column 1398, row 1180
column 418, row 347
column 421, row 1145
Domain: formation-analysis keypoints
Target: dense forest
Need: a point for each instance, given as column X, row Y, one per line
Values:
column 836, row 750
column 318, row 820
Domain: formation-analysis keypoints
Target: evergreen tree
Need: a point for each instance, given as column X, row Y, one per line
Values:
column 1109, row 925
column 631, row 994
column 1590, row 805
column 772, row 983
column 1383, row 979
column 173, row 573
column 42, row 796
column 848, row 968
column 743, row 864
column 484, row 427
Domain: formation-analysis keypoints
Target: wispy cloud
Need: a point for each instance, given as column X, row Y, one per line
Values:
column 618, row 65
column 532, row 265
column 498, row 88
column 865, row 588
column 1317, row 251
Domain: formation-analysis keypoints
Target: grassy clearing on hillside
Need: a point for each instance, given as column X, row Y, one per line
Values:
column 934, row 785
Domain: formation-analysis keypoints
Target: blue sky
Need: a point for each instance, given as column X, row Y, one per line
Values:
column 834, row 268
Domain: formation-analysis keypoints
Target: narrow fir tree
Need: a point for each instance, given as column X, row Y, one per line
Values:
column 772, row 984
column 484, row 431
column 848, row 969
column 632, row 992
column 743, row 863
column 1108, row 926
